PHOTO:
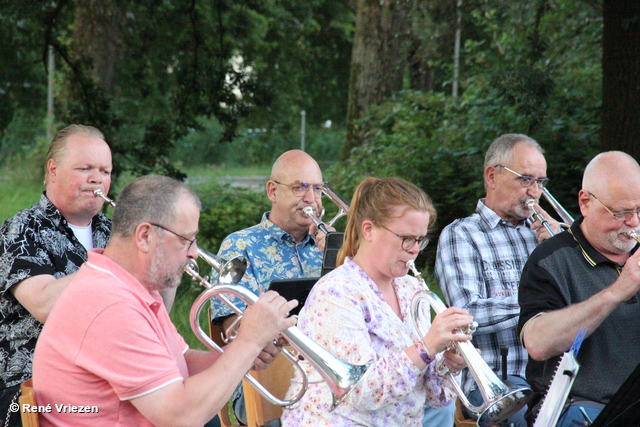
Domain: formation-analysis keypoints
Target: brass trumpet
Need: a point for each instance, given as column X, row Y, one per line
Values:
column 499, row 401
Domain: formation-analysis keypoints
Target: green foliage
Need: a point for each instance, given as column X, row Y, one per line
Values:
column 255, row 146
column 226, row 209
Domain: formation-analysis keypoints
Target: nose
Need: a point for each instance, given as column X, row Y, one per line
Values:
column 309, row 196
column 535, row 191
column 192, row 253
column 634, row 221
column 415, row 248
column 95, row 177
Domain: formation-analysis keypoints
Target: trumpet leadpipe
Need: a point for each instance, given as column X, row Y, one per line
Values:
column 99, row 193
column 309, row 213
column 539, row 217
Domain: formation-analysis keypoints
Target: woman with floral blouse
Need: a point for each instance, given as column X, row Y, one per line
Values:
column 361, row 312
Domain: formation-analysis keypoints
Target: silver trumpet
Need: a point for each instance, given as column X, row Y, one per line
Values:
column 309, row 213
column 561, row 211
column 99, row 193
column 539, row 217
column 499, row 401
column 341, row 377
column 343, row 206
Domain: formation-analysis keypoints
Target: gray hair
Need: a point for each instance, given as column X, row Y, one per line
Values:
column 151, row 198
column 501, row 150
column 59, row 143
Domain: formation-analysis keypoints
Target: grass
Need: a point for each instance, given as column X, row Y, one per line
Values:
column 20, row 187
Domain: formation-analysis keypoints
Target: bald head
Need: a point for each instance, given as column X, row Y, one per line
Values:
column 293, row 169
column 291, row 162
column 608, row 171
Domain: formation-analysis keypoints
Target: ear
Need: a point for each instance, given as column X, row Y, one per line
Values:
column 52, row 170
column 490, row 177
column 143, row 237
column 271, row 188
column 584, row 202
column 367, row 230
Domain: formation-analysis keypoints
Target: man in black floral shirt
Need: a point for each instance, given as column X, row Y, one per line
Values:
column 41, row 246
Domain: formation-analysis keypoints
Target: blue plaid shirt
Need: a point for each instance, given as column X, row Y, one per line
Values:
column 478, row 266
column 271, row 254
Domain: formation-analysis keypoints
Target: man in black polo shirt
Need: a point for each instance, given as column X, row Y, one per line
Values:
column 588, row 277
column 42, row 245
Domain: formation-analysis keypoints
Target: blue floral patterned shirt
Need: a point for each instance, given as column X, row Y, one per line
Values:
column 271, row 253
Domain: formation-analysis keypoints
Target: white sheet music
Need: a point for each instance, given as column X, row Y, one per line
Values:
column 558, row 391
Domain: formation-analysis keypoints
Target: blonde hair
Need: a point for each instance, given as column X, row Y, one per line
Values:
column 59, row 143
column 376, row 199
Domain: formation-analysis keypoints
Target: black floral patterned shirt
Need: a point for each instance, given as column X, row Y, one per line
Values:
column 34, row 242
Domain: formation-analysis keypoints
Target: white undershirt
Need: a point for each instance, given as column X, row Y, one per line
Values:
column 84, row 235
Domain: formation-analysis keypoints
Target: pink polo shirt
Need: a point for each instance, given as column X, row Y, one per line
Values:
column 107, row 340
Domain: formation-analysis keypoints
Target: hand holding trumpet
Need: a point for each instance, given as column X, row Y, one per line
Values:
column 318, row 229
column 263, row 321
column 543, row 224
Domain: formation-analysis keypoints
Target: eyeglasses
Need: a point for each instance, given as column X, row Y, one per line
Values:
column 300, row 189
column 527, row 181
column 621, row 216
column 191, row 241
column 409, row 241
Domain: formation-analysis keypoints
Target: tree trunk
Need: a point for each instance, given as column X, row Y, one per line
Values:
column 98, row 36
column 377, row 61
column 621, row 77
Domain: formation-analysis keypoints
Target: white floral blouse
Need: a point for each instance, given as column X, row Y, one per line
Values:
column 346, row 314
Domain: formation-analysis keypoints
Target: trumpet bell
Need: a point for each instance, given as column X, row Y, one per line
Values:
column 229, row 272
column 505, row 406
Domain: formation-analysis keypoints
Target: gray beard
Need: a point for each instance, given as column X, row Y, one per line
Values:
column 157, row 277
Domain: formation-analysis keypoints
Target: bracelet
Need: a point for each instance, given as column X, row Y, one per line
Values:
column 422, row 352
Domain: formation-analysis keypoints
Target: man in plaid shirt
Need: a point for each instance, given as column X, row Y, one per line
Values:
column 480, row 257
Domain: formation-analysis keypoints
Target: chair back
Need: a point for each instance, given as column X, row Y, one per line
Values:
column 28, row 397
column 276, row 378
column 460, row 421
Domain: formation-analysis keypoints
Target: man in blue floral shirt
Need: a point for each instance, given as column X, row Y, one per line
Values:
column 42, row 245
column 282, row 245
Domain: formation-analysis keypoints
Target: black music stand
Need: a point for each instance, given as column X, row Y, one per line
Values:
column 297, row 289
column 624, row 408
column 331, row 248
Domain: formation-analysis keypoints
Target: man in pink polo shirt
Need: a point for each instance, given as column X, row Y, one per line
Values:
column 109, row 354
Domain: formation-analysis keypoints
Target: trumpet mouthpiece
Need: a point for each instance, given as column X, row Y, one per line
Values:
column 308, row 211
column 634, row 235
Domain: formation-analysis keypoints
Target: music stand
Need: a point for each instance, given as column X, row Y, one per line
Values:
column 623, row 410
column 294, row 289
column 331, row 248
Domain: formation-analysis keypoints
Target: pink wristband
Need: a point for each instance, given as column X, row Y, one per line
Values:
column 422, row 352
